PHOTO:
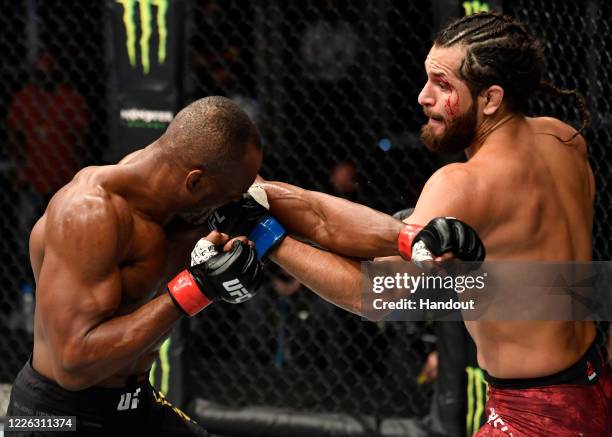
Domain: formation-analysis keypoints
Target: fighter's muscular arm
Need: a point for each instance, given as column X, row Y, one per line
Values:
column 452, row 191
column 336, row 278
column 333, row 277
column 339, row 225
column 79, row 291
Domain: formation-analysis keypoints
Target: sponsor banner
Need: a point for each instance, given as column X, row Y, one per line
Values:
column 495, row 291
column 445, row 11
column 167, row 371
column 477, row 6
column 134, row 117
column 146, row 40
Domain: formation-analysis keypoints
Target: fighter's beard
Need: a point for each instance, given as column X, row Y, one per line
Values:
column 458, row 135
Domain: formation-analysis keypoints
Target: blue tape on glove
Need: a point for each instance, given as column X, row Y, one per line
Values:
column 266, row 235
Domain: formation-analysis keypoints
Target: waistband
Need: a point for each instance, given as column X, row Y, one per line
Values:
column 97, row 400
column 585, row 371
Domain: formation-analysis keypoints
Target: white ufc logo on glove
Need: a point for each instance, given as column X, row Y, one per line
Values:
column 214, row 220
column 237, row 290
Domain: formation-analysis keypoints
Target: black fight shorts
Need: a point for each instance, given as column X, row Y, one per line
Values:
column 136, row 409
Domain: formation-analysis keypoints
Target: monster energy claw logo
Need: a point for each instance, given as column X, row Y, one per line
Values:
column 475, row 7
column 476, row 398
column 146, row 18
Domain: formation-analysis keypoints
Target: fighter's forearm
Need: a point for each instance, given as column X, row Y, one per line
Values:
column 331, row 276
column 341, row 226
column 108, row 347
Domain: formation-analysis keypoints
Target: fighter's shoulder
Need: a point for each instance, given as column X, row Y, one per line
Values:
column 554, row 123
column 93, row 212
column 455, row 183
column 457, row 175
column 451, row 191
column 560, row 129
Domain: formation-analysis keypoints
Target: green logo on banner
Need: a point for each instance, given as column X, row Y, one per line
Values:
column 476, row 398
column 474, row 7
column 164, row 361
column 145, row 15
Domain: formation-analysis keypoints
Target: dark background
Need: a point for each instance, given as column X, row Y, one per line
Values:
column 326, row 82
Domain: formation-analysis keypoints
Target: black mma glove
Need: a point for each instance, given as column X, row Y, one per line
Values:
column 237, row 218
column 250, row 216
column 447, row 234
column 232, row 276
column 441, row 235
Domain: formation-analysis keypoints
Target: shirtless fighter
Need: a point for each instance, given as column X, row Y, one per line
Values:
column 103, row 255
column 527, row 189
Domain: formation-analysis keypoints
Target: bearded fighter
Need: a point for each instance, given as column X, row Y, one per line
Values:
column 527, row 190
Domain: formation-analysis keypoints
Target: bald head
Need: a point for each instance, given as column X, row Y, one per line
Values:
column 212, row 133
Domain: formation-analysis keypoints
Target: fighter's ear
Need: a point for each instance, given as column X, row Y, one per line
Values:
column 493, row 98
column 194, row 180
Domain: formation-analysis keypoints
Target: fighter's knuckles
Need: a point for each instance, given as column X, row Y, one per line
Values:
column 217, row 237
column 444, row 235
column 230, row 243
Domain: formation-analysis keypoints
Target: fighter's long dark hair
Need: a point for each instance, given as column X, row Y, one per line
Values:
column 500, row 51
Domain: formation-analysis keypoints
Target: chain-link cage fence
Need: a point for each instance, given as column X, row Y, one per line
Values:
column 332, row 86
column 337, row 82
column 53, row 122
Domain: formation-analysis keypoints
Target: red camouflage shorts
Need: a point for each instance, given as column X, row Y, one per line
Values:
column 580, row 407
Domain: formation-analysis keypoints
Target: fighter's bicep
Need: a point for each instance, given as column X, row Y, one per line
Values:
column 72, row 306
column 389, row 259
column 80, row 283
column 69, row 290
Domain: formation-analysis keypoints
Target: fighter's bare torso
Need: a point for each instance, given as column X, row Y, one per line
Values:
column 146, row 256
column 532, row 200
column 528, row 195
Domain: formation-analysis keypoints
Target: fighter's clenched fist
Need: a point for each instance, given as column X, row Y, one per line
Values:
column 233, row 276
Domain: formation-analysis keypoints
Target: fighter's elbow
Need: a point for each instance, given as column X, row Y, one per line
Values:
column 71, row 358
column 322, row 235
column 70, row 369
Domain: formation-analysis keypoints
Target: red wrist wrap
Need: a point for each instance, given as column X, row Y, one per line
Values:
column 187, row 294
column 405, row 239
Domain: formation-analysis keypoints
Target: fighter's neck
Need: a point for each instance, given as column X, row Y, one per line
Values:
column 491, row 130
column 143, row 181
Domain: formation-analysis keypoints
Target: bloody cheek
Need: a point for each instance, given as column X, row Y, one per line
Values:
column 452, row 101
column 452, row 108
